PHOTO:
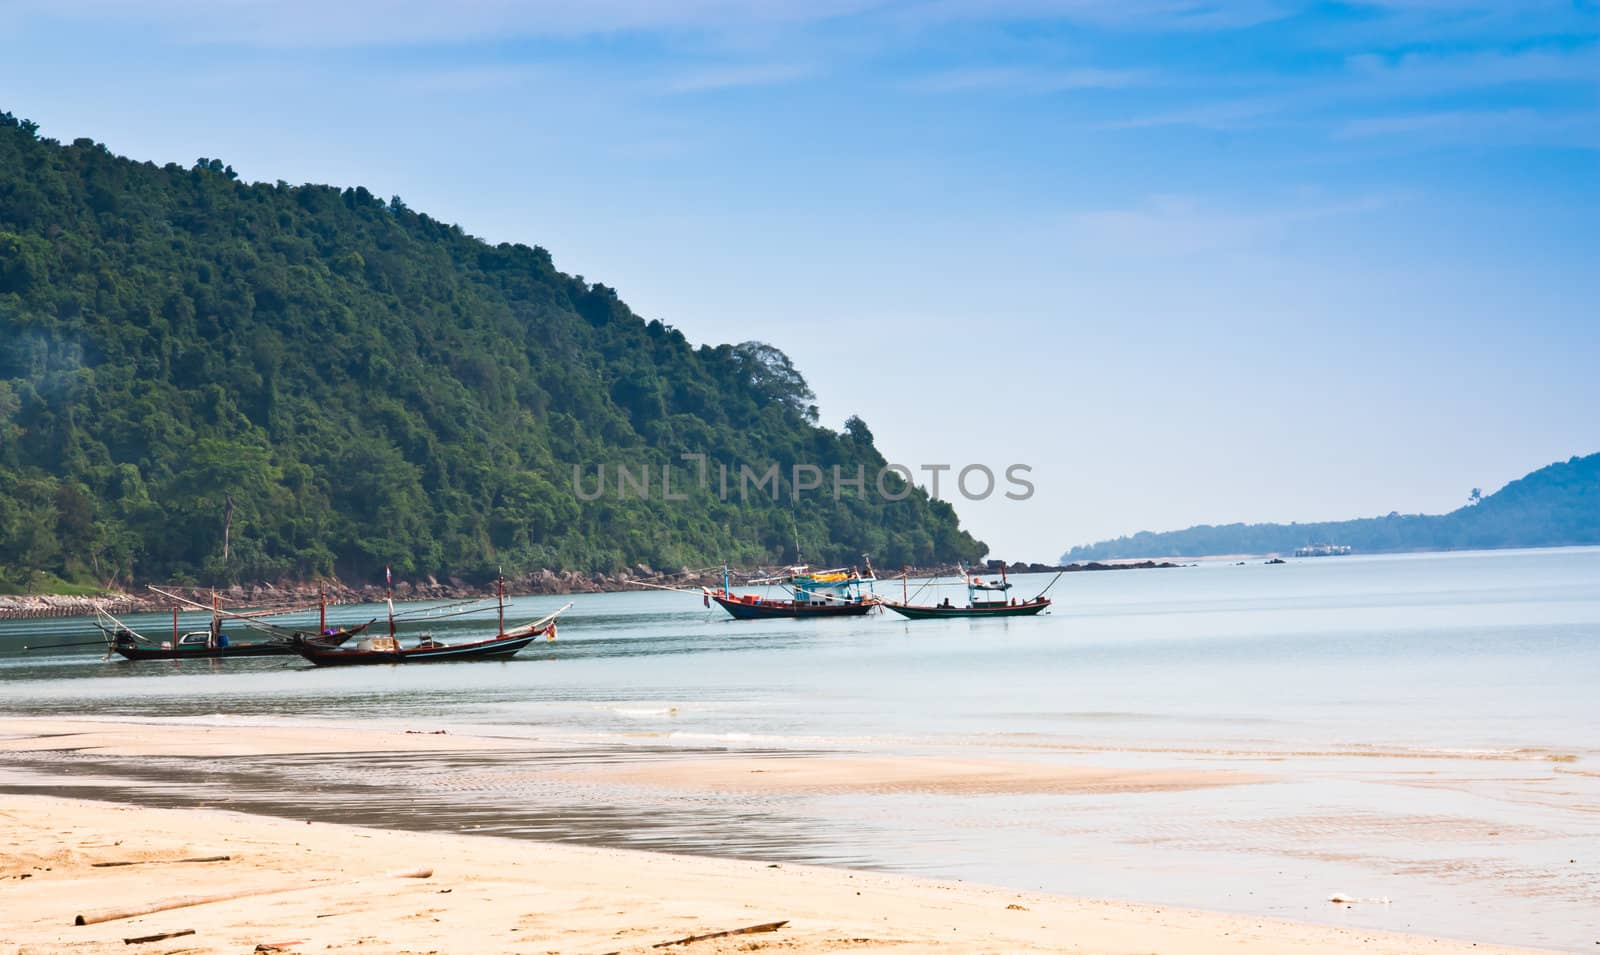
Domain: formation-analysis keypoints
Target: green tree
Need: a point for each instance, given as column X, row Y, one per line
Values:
column 366, row 385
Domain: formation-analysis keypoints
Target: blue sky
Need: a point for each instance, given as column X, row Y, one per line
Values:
column 1192, row 262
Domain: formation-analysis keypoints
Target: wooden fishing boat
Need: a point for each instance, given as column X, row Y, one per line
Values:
column 389, row 649
column 753, row 607
column 940, row 610
column 828, row 593
column 211, row 643
column 195, row 645
column 980, row 601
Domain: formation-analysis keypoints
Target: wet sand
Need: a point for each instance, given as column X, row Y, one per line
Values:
column 491, row 894
column 907, row 774
column 324, row 887
column 136, row 739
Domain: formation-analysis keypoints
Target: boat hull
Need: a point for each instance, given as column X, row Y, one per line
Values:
column 136, row 652
column 789, row 609
column 498, row 648
column 913, row 612
column 332, row 639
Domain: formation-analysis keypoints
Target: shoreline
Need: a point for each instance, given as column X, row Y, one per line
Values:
column 495, row 893
column 539, row 583
column 329, row 887
column 551, row 582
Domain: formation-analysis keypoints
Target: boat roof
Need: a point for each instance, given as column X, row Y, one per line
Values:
column 837, row 577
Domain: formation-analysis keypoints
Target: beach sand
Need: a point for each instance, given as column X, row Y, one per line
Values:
column 327, row 888
column 490, row 895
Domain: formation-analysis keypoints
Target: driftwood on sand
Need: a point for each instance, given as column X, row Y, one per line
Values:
column 156, row 938
column 747, row 930
column 107, row 865
column 184, row 901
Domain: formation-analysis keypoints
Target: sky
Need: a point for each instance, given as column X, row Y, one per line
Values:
column 1190, row 262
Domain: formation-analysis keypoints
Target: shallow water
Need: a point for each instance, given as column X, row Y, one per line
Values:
column 1428, row 723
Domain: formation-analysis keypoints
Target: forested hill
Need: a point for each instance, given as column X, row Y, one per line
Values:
column 339, row 383
column 1553, row 506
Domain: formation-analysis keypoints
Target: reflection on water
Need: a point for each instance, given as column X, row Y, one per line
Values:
column 1428, row 722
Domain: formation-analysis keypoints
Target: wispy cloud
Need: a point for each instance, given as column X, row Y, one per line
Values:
column 1329, row 100
column 364, row 23
column 1520, row 127
column 735, row 76
column 1425, row 73
column 1228, row 114
column 1345, row 89
column 1175, row 226
column 471, row 78
column 1027, row 79
column 1131, row 15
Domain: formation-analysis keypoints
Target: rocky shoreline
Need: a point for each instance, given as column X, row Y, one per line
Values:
column 294, row 593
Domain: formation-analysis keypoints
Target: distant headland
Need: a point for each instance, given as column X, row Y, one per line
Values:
column 1555, row 506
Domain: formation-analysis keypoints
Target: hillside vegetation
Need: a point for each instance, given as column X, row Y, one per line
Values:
column 335, row 383
column 1553, row 506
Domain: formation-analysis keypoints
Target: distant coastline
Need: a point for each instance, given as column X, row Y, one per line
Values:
column 1555, row 506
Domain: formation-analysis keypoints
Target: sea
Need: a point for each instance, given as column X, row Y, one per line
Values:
column 1425, row 730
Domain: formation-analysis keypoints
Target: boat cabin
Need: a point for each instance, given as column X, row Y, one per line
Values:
column 829, row 587
column 980, row 593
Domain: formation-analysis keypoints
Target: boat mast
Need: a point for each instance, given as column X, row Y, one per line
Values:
column 322, row 610
column 388, row 596
column 214, row 637
column 502, row 592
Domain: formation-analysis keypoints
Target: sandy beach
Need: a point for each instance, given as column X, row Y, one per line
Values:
column 325, row 887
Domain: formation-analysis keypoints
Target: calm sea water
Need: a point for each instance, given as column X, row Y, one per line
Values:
column 1430, row 724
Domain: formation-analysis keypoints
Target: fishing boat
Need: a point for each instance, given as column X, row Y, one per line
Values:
column 389, row 648
column 827, row 593
column 195, row 645
column 981, row 600
column 210, row 643
column 213, row 642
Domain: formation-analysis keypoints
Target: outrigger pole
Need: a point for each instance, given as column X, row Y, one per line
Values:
column 57, row 646
column 676, row 590
column 248, row 619
column 1049, row 585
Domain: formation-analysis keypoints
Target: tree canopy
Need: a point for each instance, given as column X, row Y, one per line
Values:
column 356, row 384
